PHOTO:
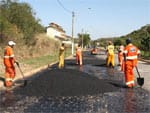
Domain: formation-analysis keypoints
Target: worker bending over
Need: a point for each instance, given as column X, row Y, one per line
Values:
column 61, row 56
column 110, row 54
column 79, row 55
column 131, row 53
column 9, row 61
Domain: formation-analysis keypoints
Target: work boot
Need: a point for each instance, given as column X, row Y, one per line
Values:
column 130, row 85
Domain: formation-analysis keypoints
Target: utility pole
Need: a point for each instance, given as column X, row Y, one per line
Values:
column 73, row 33
column 73, row 15
column 82, row 38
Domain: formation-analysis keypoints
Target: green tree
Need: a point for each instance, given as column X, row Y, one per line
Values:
column 145, row 44
column 19, row 18
column 118, row 41
column 23, row 17
column 84, row 39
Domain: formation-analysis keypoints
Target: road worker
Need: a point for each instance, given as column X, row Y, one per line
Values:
column 110, row 54
column 79, row 55
column 9, row 61
column 130, row 53
column 61, row 56
column 120, row 56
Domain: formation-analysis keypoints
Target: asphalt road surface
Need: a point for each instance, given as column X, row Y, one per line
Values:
column 91, row 88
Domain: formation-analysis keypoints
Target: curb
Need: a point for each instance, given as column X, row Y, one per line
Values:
column 29, row 74
column 148, row 61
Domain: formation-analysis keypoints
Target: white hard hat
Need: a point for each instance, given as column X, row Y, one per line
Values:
column 11, row 43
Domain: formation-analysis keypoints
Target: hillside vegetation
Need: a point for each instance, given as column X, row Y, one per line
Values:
column 18, row 23
column 33, row 48
column 140, row 38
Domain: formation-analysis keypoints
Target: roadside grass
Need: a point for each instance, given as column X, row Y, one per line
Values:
column 41, row 52
column 37, row 62
column 44, row 60
column 145, row 55
column 40, row 61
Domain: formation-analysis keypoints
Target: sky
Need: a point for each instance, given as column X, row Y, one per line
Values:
column 99, row 18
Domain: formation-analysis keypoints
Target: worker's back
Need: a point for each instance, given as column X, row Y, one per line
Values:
column 110, row 49
column 8, row 57
column 79, row 50
column 61, row 50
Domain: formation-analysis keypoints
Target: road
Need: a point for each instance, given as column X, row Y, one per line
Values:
column 91, row 88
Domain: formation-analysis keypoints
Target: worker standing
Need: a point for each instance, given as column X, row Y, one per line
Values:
column 61, row 56
column 120, row 56
column 110, row 54
column 9, row 61
column 79, row 55
column 131, row 53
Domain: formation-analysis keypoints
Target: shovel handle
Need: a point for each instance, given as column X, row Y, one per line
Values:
column 21, row 71
column 17, row 63
column 137, row 71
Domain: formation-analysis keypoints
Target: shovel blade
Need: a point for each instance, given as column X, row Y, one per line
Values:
column 140, row 81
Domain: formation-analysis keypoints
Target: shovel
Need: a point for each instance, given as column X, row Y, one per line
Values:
column 140, row 80
column 25, row 81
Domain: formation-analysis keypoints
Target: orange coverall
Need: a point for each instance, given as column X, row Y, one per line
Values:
column 131, row 55
column 9, row 66
column 120, row 57
column 79, row 55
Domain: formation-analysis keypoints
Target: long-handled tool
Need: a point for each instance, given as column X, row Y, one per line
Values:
column 140, row 80
column 25, row 81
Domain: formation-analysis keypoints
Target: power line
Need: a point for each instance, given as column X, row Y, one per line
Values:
column 63, row 7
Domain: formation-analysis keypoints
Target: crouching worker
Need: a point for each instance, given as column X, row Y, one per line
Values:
column 9, row 62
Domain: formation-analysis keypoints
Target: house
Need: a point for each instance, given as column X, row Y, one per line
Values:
column 55, row 31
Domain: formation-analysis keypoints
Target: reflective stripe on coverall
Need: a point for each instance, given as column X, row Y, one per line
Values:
column 61, row 57
column 79, row 55
column 110, row 51
column 9, row 66
column 131, row 52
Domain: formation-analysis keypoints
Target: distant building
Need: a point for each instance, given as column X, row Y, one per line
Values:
column 55, row 31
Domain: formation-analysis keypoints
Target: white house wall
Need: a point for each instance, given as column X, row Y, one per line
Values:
column 52, row 33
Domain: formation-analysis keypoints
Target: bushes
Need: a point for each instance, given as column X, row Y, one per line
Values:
column 40, row 45
column 145, row 54
column 18, row 19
